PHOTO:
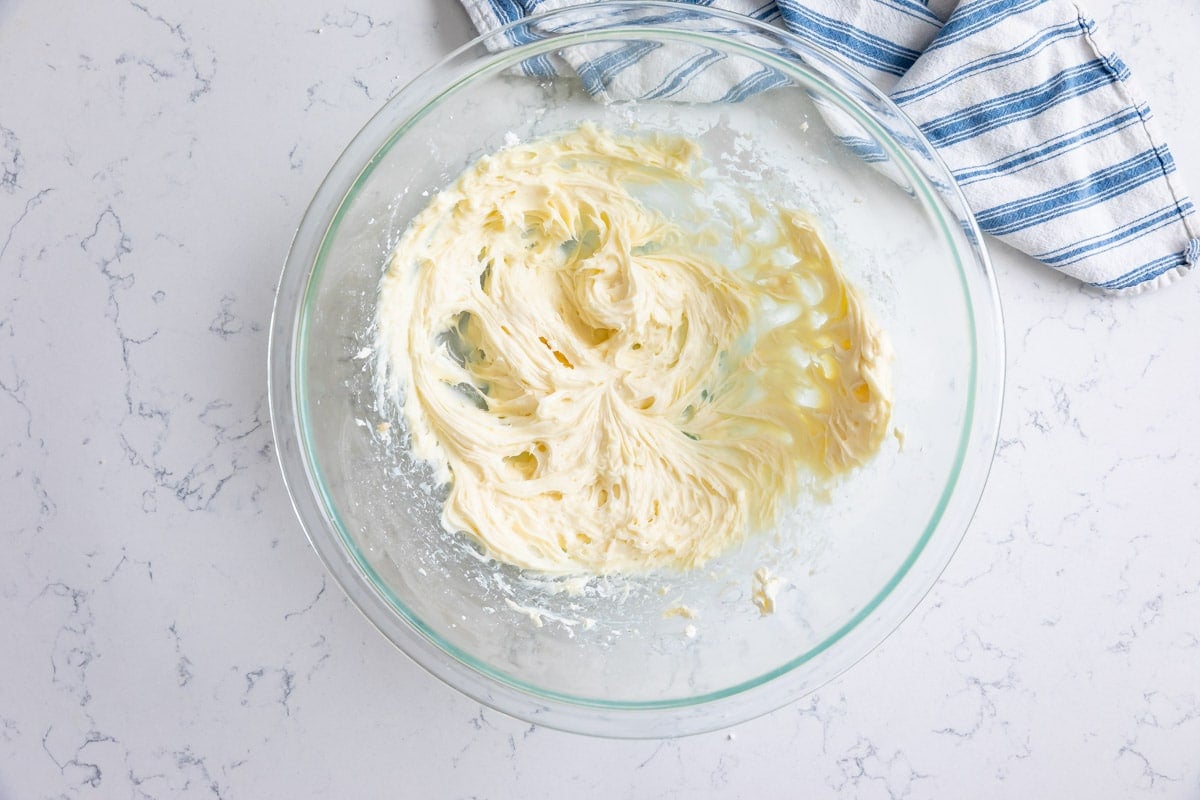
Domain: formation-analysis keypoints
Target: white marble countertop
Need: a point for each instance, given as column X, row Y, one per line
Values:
column 167, row 631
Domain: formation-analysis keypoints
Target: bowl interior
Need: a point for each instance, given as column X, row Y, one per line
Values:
column 611, row 643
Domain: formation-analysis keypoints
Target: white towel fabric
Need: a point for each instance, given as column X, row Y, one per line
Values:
column 1038, row 123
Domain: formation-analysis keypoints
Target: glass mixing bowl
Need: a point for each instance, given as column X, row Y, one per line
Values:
column 610, row 657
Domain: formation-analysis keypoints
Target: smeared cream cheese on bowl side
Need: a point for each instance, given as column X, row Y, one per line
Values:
column 620, row 360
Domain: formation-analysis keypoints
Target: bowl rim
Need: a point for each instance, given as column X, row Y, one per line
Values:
column 328, row 536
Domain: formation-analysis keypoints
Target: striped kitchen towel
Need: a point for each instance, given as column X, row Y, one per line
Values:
column 1053, row 149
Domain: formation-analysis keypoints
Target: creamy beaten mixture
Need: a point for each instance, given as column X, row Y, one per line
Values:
column 619, row 360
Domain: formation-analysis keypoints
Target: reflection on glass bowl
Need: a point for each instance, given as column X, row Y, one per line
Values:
column 667, row 653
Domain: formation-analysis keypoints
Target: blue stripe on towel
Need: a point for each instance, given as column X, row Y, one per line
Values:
column 679, row 78
column 975, row 17
column 865, row 48
column 1141, row 227
column 965, row 123
column 1077, row 195
column 1027, row 49
column 1050, row 148
column 1148, row 271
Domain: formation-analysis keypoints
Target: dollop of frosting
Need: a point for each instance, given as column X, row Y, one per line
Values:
column 620, row 360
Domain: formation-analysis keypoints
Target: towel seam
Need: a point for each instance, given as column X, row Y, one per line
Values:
column 1122, row 84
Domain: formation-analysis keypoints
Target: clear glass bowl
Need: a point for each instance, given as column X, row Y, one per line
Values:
column 608, row 660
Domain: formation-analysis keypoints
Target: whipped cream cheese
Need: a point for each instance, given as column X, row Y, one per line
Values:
column 764, row 588
column 619, row 360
